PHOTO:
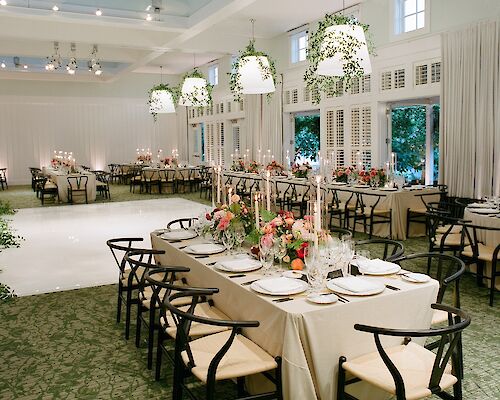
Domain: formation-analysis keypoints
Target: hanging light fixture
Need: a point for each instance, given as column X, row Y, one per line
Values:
column 72, row 64
column 93, row 64
column 346, row 48
column 54, row 61
column 194, row 92
column 252, row 78
column 161, row 100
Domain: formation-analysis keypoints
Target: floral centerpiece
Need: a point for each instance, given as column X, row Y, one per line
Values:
column 342, row 174
column 238, row 166
column 253, row 167
column 301, row 170
column 375, row 177
column 233, row 217
column 143, row 158
column 276, row 168
column 170, row 161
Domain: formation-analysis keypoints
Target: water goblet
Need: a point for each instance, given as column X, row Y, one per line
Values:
column 228, row 240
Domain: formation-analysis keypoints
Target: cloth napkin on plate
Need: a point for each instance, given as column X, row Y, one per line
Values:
column 204, row 248
column 375, row 266
column 353, row 284
column 241, row 264
column 479, row 205
column 280, row 285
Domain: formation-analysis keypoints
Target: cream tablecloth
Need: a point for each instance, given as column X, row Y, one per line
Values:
column 60, row 178
column 398, row 202
column 309, row 337
column 489, row 238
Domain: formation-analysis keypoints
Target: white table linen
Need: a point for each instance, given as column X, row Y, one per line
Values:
column 60, row 178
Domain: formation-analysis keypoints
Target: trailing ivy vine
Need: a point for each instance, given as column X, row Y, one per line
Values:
column 7, row 239
column 266, row 71
column 344, row 43
column 174, row 91
column 197, row 97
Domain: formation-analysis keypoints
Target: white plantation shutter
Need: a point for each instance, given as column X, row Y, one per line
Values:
column 361, row 134
column 236, row 138
column 335, row 135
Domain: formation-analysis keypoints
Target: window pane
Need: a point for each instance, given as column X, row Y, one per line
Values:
column 420, row 5
column 410, row 23
column 302, row 54
column 302, row 42
column 410, row 7
column 420, row 20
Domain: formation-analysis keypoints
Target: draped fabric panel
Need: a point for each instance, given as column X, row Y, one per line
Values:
column 253, row 120
column 272, row 124
column 97, row 131
column 470, row 100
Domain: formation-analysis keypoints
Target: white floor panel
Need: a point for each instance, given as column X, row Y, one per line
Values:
column 65, row 247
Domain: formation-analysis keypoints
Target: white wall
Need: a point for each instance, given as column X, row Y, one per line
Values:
column 100, row 123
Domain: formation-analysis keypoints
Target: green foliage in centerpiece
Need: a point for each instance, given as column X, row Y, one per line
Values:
column 317, row 52
column 301, row 170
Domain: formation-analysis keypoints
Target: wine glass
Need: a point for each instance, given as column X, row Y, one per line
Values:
column 266, row 254
column 239, row 238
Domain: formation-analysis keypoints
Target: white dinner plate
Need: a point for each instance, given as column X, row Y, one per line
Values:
column 483, row 210
column 303, row 286
column 339, row 183
column 323, row 298
column 293, row 274
column 179, row 234
column 251, row 265
column 205, row 249
column 388, row 189
column 415, row 277
column 378, row 288
column 361, row 186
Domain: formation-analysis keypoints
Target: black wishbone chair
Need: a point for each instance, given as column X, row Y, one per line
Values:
column 409, row 370
column 476, row 252
column 220, row 356
column 78, row 185
column 182, row 223
column 140, row 262
column 371, row 211
column 127, row 283
column 385, row 249
column 163, row 284
column 445, row 232
column 444, row 268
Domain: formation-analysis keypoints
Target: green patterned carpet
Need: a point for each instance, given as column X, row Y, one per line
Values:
column 66, row 345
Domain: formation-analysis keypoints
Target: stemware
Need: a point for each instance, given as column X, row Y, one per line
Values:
column 228, row 240
column 266, row 254
column 313, row 269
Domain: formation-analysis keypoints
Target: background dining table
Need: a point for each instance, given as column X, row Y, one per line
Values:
column 60, row 178
column 309, row 337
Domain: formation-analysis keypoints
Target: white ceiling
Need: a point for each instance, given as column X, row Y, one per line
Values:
column 128, row 43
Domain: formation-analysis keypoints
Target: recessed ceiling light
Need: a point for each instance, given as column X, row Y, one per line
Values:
column 55, row 8
column 149, row 17
column 3, row 2
column 2, row 64
column 25, row 66
column 148, row 8
column 98, row 12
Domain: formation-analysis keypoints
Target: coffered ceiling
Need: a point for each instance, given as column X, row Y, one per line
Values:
column 129, row 42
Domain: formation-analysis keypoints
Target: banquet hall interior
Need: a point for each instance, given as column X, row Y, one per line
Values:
column 250, row 199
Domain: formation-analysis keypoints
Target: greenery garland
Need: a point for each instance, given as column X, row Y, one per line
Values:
column 318, row 52
column 174, row 91
column 197, row 96
column 266, row 71
column 7, row 239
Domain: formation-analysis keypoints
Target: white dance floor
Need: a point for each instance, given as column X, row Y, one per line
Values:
column 65, row 247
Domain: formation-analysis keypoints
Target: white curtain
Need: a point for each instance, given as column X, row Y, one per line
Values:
column 179, row 137
column 253, row 120
column 272, row 124
column 470, row 116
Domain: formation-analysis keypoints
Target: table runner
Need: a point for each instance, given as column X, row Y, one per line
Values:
column 309, row 337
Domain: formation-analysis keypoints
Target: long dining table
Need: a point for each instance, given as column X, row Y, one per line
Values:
column 309, row 337
column 60, row 178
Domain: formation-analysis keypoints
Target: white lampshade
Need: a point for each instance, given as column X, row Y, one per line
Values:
column 333, row 66
column 197, row 86
column 251, row 76
column 161, row 102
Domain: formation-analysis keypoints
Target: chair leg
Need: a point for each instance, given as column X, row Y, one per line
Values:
column 151, row 338
column 178, row 375
column 279, row 380
column 240, row 382
column 128, row 307
column 159, row 354
column 119, row 304
column 341, row 380
column 138, row 325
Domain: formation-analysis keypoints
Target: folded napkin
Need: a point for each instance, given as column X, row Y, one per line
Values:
column 241, row 264
column 280, row 285
column 353, row 284
column 374, row 266
column 479, row 205
column 485, row 210
column 204, row 248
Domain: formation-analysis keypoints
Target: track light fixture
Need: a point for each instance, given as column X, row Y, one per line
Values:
column 55, row 8
column 72, row 64
column 93, row 64
column 98, row 12
column 54, row 61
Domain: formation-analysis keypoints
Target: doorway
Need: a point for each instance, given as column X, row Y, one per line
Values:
column 307, row 137
column 415, row 140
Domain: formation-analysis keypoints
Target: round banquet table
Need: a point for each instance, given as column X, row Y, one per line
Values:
column 489, row 238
